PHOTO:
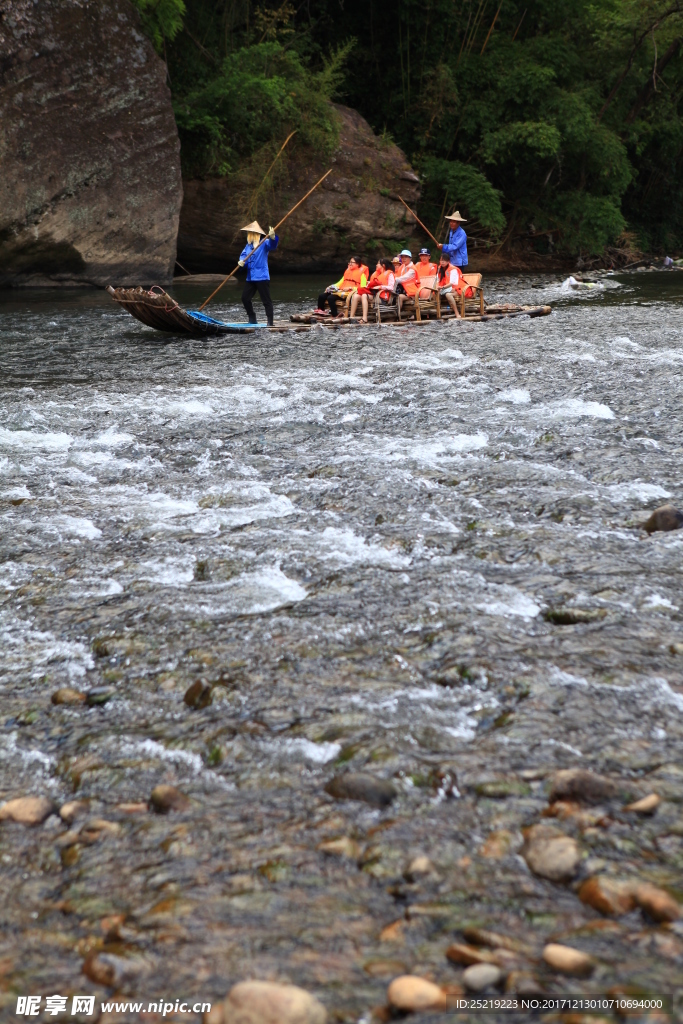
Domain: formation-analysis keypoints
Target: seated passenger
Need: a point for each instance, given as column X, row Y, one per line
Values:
column 386, row 283
column 449, row 282
column 354, row 277
column 425, row 268
column 361, row 295
column 407, row 281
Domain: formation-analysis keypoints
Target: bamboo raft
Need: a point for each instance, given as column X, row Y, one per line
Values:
column 156, row 308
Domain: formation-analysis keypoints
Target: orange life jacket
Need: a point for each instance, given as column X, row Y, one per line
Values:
column 410, row 286
column 387, row 277
column 425, row 269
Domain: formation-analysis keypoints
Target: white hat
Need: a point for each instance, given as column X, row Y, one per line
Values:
column 255, row 228
column 406, row 252
column 456, row 216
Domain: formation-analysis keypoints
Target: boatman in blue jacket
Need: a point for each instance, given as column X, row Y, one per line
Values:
column 456, row 246
column 255, row 257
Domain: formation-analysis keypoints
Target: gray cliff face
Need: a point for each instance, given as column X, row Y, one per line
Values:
column 355, row 211
column 90, row 184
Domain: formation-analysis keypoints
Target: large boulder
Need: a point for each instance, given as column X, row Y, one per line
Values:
column 356, row 210
column 90, row 184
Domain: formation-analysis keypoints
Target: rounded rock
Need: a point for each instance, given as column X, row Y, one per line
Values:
column 551, row 854
column 664, row 518
column 410, row 994
column 167, row 798
column 361, row 786
column 657, row 903
column 607, row 896
column 344, row 847
column 647, row 805
column 481, row 976
column 98, row 696
column 27, row 810
column 567, row 960
column 73, row 809
column 199, row 695
column 264, row 1002
column 583, row 786
column 68, row 696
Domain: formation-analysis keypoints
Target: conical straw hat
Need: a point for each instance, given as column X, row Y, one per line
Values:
column 255, row 227
column 456, row 216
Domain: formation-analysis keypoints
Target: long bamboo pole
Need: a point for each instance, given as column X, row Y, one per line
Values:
column 419, row 222
column 265, row 176
column 206, row 301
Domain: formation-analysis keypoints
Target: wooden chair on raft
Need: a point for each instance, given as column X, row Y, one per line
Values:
column 419, row 307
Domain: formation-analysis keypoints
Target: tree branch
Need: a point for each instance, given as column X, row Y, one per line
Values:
column 647, row 92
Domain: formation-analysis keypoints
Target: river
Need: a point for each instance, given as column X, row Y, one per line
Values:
column 358, row 539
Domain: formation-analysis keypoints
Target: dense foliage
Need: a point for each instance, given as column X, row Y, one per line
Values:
column 554, row 122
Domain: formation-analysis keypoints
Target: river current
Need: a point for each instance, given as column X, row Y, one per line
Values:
column 356, row 537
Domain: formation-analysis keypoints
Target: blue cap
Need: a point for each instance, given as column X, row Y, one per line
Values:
column 406, row 252
column 425, row 252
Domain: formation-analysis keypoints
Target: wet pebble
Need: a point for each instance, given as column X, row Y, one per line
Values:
column 479, row 977
column 344, row 847
column 199, row 695
column 113, row 971
column 361, row 786
column 410, row 994
column 459, row 953
column 167, row 798
column 264, row 1002
column 656, row 903
column 663, row 519
column 68, row 696
column 608, row 896
column 27, row 810
column 647, row 805
column 98, row 696
column 551, row 854
column 583, row 786
column 419, row 866
column 73, row 809
column 567, row 960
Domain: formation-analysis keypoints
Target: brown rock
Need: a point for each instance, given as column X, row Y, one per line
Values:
column 350, row 203
column 112, row 971
column 68, row 696
column 497, row 845
column 657, row 903
column 264, row 1002
column 68, row 812
column 551, row 854
column 607, row 896
column 479, row 977
column 394, row 932
column 70, row 855
column 410, row 994
column 484, row 937
column 583, row 786
column 216, row 1015
column 664, row 518
column 567, row 960
column 93, row 829
column 344, row 847
column 459, row 953
column 419, row 866
column 27, row 810
column 167, row 798
column 647, row 805
column 199, row 695
column 360, row 786
column 132, row 808
column 90, row 186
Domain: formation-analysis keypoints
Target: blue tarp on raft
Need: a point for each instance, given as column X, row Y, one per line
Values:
column 196, row 315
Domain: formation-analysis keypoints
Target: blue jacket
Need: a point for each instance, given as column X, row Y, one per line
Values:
column 257, row 268
column 456, row 247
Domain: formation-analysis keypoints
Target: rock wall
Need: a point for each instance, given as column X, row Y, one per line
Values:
column 90, row 184
column 356, row 210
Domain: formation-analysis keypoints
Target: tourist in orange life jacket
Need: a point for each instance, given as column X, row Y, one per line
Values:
column 407, row 281
column 425, row 268
column 354, row 277
column 382, row 281
column 448, row 281
column 364, row 291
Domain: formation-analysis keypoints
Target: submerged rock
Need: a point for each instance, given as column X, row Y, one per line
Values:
column 27, row 810
column 583, row 786
column 608, row 896
column 68, row 696
column 264, row 1002
column 551, row 854
column 656, row 903
column 663, row 519
column 567, row 960
column 646, row 805
column 360, row 786
column 90, row 185
column 479, row 977
column 411, row 994
column 199, row 695
column 167, row 798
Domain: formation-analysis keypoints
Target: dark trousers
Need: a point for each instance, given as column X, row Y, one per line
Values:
column 328, row 297
column 263, row 288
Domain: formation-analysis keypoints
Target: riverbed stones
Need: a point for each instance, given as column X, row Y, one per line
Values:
column 199, row 695
column 551, row 854
column 73, row 809
column 646, row 806
column 479, row 977
column 608, row 896
column 113, row 971
column 567, row 960
column 265, row 1002
column 656, row 903
column 27, row 810
column 460, row 953
column 165, row 798
column 98, row 696
column 666, row 517
column 68, row 696
column 583, row 786
column 361, row 786
column 342, row 847
column 411, row 994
